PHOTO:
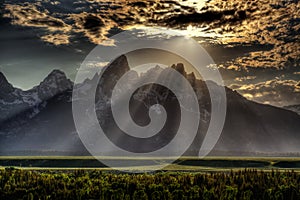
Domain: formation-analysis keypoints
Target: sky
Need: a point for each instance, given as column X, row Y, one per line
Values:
column 255, row 44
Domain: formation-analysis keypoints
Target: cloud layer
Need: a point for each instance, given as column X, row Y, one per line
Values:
column 276, row 92
column 259, row 22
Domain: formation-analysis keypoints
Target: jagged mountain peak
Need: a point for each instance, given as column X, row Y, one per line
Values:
column 57, row 77
column 121, row 61
column 154, row 71
column 55, row 83
column 3, row 80
column 179, row 67
column 2, row 77
column 57, row 73
column 14, row 101
column 5, row 86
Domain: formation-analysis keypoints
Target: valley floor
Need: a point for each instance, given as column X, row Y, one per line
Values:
column 143, row 164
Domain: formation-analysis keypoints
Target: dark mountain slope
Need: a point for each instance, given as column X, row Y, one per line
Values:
column 47, row 126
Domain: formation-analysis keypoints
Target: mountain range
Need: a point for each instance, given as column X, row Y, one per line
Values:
column 39, row 121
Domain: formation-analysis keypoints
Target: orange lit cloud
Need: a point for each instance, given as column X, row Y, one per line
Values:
column 30, row 15
column 275, row 92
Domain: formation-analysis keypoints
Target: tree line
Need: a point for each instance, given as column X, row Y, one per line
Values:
column 95, row 184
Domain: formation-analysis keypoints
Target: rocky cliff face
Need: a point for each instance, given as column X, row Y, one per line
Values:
column 5, row 86
column 45, row 122
column 10, row 101
column 55, row 83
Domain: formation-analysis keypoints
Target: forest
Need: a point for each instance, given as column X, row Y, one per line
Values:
column 96, row 184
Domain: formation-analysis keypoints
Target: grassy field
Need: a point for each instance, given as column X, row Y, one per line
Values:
column 144, row 164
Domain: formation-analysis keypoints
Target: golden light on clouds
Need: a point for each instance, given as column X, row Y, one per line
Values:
column 30, row 15
column 259, row 22
column 248, row 96
column 56, row 39
column 277, row 92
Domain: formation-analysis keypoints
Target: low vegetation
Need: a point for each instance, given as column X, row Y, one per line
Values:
column 97, row 184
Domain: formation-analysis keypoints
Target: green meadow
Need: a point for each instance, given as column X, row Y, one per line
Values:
column 144, row 164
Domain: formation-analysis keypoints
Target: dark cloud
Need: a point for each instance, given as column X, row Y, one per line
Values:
column 273, row 23
column 93, row 26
